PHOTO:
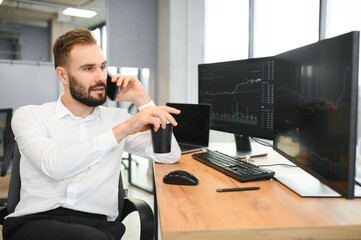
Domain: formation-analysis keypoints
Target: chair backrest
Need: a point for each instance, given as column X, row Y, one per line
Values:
column 121, row 195
column 7, row 141
column 9, row 155
column 15, row 183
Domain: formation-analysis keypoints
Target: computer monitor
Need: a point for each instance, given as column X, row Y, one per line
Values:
column 241, row 94
column 316, row 114
column 7, row 143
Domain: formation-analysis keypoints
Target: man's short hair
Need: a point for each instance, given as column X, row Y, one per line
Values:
column 64, row 44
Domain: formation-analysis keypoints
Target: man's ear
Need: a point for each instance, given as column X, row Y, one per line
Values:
column 62, row 75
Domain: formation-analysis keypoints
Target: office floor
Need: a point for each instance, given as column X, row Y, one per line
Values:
column 141, row 175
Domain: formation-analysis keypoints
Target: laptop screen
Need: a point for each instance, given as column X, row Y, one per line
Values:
column 193, row 123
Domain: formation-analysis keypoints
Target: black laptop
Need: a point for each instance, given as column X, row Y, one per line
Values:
column 192, row 132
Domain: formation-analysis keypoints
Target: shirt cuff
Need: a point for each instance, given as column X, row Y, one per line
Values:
column 149, row 104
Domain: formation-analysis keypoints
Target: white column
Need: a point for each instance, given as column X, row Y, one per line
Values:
column 180, row 50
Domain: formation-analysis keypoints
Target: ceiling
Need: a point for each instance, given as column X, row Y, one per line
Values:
column 14, row 13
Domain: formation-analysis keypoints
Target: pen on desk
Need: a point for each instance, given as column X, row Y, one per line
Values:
column 237, row 189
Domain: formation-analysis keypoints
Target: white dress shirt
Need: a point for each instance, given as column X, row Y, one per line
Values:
column 73, row 162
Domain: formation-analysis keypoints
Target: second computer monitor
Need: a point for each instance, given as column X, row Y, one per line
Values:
column 316, row 114
column 241, row 94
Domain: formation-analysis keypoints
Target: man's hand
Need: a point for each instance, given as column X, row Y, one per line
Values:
column 158, row 116
column 131, row 90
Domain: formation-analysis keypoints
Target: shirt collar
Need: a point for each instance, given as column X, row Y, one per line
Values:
column 62, row 111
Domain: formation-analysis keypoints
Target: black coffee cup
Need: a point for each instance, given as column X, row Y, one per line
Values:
column 162, row 139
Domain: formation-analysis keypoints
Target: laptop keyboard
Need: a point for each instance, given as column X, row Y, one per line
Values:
column 234, row 167
column 187, row 147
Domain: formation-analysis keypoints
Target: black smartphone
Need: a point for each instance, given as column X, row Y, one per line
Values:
column 112, row 88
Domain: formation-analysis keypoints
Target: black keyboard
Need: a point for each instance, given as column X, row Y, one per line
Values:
column 234, row 167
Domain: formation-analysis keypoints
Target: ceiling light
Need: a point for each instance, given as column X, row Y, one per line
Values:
column 79, row 12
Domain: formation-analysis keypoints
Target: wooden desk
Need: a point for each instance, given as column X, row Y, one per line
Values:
column 273, row 212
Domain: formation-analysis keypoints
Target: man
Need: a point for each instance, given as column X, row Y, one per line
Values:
column 71, row 149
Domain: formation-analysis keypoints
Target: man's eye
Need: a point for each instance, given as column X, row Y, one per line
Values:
column 88, row 68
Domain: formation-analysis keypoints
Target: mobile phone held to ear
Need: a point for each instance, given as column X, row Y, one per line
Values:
column 112, row 88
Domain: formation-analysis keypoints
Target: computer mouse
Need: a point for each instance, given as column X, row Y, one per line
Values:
column 180, row 177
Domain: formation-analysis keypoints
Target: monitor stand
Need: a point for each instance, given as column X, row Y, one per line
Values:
column 244, row 147
column 306, row 185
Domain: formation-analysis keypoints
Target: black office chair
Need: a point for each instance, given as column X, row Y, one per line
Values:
column 7, row 141
column 6, row 162
column 126, row 205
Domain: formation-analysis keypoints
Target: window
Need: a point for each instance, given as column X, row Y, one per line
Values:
column 282, row 25
column 279, row 26
column 342, row 16
column 226, row 30
column 100, row 34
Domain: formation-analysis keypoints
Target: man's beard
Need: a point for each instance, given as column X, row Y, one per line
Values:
column 79, row 93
